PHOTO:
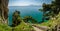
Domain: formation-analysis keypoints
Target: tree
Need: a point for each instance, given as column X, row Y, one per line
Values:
column 16, row 20
column 52, row 9
column 29, row 19
column 57, row 2
column 46, row 11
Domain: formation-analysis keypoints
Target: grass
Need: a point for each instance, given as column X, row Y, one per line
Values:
column 49, row 23
column 4, row 27
column 23, row 27
column 52, row 23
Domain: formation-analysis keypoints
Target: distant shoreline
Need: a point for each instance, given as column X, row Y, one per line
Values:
column 24, row 6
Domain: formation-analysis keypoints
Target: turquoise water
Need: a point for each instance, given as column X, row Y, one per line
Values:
column 26, row 11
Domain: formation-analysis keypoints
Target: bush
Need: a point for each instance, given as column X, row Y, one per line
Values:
column 23, row 27
column 4, row 27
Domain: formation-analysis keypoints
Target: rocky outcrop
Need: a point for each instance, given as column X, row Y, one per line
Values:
column 4, row 11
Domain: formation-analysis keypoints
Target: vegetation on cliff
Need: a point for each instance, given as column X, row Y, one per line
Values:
column 51, row 11
column 18, row 23
column 4, row 27
column 16, row 20
column 29, row 19
column 52, row 23
column 23, row 27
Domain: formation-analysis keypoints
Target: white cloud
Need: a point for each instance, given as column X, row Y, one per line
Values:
column 22, row 3
column 19, row 4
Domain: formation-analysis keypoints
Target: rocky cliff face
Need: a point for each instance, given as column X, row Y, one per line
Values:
column 4, row 11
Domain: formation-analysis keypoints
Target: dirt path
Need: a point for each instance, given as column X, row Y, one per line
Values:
column 40, row 28
column 37, row 29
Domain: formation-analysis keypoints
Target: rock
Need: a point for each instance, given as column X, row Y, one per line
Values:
column 4, row 11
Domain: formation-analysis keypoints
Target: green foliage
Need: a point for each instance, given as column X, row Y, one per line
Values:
column 16, row 18
column 4, row 27
column 52, row 23
column 23, row 27
column 53, row 9
column 19, row 24
column 29, row 19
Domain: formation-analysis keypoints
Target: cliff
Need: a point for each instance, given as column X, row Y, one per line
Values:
column 4, row 11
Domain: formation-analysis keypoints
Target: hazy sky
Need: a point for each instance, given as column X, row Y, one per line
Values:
column 27, row 2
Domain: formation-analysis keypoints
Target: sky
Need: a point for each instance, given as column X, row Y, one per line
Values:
column 28, row 2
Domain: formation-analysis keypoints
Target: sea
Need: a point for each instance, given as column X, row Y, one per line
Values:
column 26, row 11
